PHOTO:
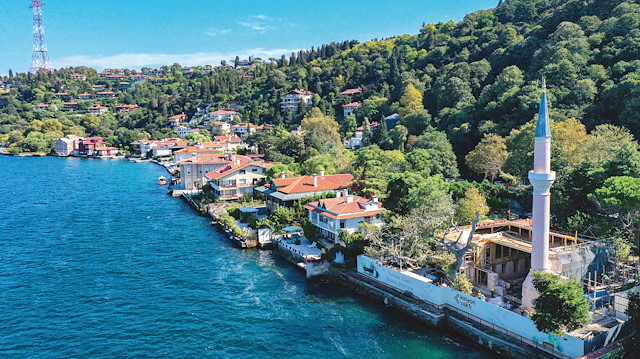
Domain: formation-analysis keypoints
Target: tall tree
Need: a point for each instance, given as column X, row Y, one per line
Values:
column 488, row 157
column 410, row 101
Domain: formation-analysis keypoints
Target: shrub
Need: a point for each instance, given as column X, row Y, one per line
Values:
column 462, row 284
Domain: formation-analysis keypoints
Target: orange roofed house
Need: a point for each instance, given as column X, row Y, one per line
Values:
column 237, row 178
column 286, row 191
column 346, row 212
column 197, row 167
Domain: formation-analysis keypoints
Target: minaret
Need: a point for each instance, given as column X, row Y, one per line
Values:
column 541, row 178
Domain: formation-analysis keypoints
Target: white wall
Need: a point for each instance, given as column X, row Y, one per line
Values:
column 423, row 289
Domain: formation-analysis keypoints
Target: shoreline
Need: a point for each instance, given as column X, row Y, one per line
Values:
column 439, row 318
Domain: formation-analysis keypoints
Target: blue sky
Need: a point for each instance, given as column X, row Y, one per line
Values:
column 136, row 33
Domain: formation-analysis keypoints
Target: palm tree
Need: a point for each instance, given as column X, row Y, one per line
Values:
column 198, row 183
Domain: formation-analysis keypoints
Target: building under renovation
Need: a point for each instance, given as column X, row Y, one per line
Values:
column 500, row 258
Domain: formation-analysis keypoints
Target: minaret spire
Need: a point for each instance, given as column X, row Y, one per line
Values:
column 541, row 178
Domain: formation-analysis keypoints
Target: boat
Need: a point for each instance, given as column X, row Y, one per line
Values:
column 162, row 181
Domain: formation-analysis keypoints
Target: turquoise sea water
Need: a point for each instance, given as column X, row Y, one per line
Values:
column 97, row 261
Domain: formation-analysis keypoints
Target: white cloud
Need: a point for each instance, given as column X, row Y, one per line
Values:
column 138, row 60
column 261, row 17
column 259, row 23
column 214, row 32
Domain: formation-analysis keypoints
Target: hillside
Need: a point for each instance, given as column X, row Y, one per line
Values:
column 452, row 84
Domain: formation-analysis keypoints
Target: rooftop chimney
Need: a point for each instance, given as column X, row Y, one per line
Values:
column 283, row 174
column 350, row 199
column 321, row 172
column 374, row 198
column 315, row 180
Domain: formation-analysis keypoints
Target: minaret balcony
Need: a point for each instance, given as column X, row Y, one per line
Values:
column 542, row 182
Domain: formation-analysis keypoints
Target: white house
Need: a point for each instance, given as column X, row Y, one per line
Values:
column 294, row 98
column 224, row 126
column 243, row 129
column 237, row 178
column 349, row 108
column 233, row 142
column 183, row 131
column 346, row 212
column 222, row 115
column 66, row 145
column 43, row 107
column 177, row 119
column 97, row 110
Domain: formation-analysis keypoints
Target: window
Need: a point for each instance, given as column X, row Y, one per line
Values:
column 243, row 181
column 342, row 224
column 243, row 172
column 254, row 170
column 504, row 268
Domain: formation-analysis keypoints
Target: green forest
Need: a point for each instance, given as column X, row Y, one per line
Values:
column 466, row 94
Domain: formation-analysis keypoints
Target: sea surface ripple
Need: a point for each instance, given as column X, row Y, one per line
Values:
column 97, row 261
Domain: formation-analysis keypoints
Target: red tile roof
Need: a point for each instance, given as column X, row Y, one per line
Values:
column 223, row 112
column 213, row 144
column 351, row 91
column 234, row 167
column 178, row 117
column 194, row 149
column 228, row 139
column 305, row 183
column 353, row 104
column 339, row 208
column 301, row 92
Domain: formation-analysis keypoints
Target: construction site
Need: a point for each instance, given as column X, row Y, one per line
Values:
column 499, row 261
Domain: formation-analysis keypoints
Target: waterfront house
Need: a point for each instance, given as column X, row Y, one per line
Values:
column 287, row 191
column 162, row 150
column 243, row 129
column 97, row 110
column 349, row 108
column 237, row 178
column 104, row 74
column 293, row 99
column 222, row 115
column 85, row 96
column 346, row 213
column 78, row 77
column 178, row 119
column 106, row 94
column 87, row 145
column 197, row 167
column 43, row 107
column 99, row 87
column 193, row 151
column 104, row 151
column 126, row 108
column 67, row 145
column 162, row 80
column 144, row 146
column 72, row 105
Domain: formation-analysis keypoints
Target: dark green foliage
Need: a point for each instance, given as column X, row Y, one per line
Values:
column 560, row 306
column 632, row 346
